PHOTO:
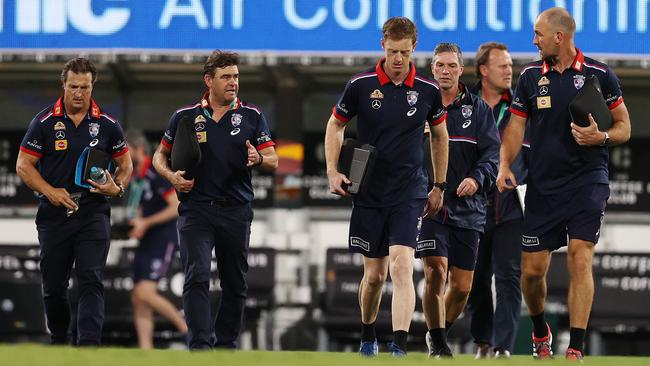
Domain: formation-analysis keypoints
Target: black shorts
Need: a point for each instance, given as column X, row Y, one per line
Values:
column 374, row 229
column 551, row 219
column 459, row 246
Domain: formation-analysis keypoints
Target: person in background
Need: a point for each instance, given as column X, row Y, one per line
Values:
column 152, row 207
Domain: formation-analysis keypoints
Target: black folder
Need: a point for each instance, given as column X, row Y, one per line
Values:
column 356, row 161
column 590, row 100
column 186, row 153
column 89, row 158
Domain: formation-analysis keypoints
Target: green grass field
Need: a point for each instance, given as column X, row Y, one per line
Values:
column 18, row 355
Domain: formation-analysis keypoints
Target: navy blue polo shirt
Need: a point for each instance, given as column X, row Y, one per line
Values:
column 473, row 152
column 556, row 161
column 391, row 118
column 222, row 172
column 57, row 142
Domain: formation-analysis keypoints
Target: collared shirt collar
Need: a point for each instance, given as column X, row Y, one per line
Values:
column 578, row 61
column 384, row 79
column 58, row 109
column 205, row 102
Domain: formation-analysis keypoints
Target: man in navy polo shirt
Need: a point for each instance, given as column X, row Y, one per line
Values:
column 153, row 208
column 448, row 242
column 215, row 209
column 392, row 105
column 568, row 175
column 73, row 222
column 499, row 252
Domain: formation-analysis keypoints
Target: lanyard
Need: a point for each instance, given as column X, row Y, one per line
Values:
column 502, row 113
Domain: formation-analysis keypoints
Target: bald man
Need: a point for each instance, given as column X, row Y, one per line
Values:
column 568, row 183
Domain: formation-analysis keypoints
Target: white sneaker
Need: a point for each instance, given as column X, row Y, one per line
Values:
column 501, row 353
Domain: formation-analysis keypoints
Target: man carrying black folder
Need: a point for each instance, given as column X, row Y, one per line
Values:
column 392, row 104
column 73, row 221
column 567, row 192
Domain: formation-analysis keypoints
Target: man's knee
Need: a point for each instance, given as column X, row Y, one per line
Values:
column 374, row 278
column 534, row 266
column 435, row 272
column 401, row 270
column 579, row 260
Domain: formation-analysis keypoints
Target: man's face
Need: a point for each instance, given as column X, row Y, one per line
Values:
column 546, row 40
column 398, row 54
column 224, row 85
column 497, row 72
column 446, row 69
column 78, row 89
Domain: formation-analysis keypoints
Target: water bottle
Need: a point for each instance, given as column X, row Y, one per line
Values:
column 98, row 175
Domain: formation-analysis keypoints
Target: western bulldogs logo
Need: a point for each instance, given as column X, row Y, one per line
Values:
column 412, row 97
column 578, row 81
column 93, row 128
column 235, row 119
column 466, row 110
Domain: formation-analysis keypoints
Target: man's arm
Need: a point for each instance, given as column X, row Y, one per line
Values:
column 483, row 175
column 334, row 134
column 619, row 132
column 265, row 159
column 513, row 137
column 439, row 140
column 123, row 174
column 160, row 162
column 142, row 224
column 26, row 170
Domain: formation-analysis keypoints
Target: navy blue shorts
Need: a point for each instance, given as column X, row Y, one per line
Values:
column 459, row 246
column 154, row 254
column 576, row 214
column 374, row 229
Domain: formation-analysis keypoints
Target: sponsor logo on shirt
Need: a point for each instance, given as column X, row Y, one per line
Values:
column 360, row 243
column 543, row 81
column 202, row 136
column 199, row 119
column 59, row 126
column 264, row 137
column 235, row 131
column 60, row 135
column 94, row 142
column 120, row 145
column 544, row 102
column 34, row 144
column 376, row 94
column 375, row 104
column 61, row 145
column 342, row 107
column 543, row 90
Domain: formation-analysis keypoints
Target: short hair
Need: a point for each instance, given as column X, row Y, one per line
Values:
column 448, row 47
column 483, row 54
column 219, row 59
column 397, row 28
column 79, row 65
column 136, row 138
column 560, row 19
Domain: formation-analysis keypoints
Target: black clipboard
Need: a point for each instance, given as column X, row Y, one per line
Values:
column 356, row 161
column 590, row 100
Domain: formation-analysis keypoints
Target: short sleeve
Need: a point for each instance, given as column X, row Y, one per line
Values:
column 346, row 107
column 33, row 141
column 520, row 104
column 263, row 137
column 170, row 132
column 611, row 88
column 438, row 114
column 118, row 144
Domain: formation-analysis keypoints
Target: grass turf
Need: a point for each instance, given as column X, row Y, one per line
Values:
column 25, row 354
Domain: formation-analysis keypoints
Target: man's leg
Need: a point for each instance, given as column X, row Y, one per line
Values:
column 196, row 243
column 375, row 271
column 506, row 261
column 581, row 289
column 534, row 266
column 460, row 285
column 480, row 303
column 91, row 250
column 433, row 305
column 146, row 299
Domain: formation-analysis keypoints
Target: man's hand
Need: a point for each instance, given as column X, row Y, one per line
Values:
column 140, row 227
column 505, row 179
column 60, row 197
column 254, row 157
column 434, row 202
column 107, row 189
column 181, row 184
column 336, row 181
column 587, row 136
column 467, row 187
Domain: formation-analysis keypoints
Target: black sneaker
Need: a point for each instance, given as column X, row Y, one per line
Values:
column 437, row 352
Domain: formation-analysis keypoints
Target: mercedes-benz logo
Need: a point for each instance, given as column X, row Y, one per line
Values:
column 376, row 104
column 543, row 90
column 60, row 135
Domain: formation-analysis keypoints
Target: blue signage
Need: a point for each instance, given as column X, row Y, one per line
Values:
column 350, row 27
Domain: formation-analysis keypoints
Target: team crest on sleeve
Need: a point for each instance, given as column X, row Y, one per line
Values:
column 578, row 81
column 59, row 126
column 466, row 111
column 543, row 81
column 263, row 138
column 376, row 94
column 235, row 119
column 412, row 97
column 93, row 128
